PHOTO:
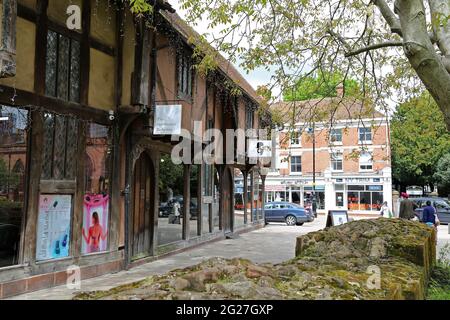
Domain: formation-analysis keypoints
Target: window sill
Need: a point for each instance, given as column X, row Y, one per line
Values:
column 337, row 143
column 365, row 142
column 296, row 173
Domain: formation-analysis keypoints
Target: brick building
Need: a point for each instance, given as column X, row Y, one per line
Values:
column 352, row 151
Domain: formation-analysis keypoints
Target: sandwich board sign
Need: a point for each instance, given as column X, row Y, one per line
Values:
column 337, row 218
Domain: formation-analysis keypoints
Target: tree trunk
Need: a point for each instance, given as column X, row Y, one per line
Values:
column 422, row 55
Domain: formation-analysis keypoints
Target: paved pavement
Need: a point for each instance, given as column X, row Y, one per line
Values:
column 273, row 244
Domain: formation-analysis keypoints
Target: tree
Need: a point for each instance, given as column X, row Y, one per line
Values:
column 392, row 48
column 419, row 140
column 321, row 86
column 442, row 175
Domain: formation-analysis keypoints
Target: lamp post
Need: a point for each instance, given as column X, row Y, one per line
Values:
column 312, row 131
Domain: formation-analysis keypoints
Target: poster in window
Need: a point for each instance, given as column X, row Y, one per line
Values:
column 95, row 223
column 53, row 232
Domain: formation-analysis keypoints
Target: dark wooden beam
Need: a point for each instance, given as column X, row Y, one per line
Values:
column 85, row 54
column 41, row 47
column 17, row 97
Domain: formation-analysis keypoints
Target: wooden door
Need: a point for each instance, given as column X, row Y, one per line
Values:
column 142, row 213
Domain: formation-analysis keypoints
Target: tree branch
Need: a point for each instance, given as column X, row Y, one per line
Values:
column 389, row 16
column 374, row 47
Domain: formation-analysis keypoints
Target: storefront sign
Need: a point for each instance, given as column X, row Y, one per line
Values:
column 278, row 188
column 53, row 232
column 168, row 120
column 95, row 224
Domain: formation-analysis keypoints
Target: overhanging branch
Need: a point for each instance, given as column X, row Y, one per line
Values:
column 374, row 47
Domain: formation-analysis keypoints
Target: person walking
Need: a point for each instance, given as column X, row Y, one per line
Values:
column 406, row 208
column 385, row 211
column 429, row 215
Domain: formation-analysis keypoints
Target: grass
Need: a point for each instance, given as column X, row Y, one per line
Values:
column 439, row 288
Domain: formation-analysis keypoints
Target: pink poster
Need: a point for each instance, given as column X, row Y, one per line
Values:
column 95, row 223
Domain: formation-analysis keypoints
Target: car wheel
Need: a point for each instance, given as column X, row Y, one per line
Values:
column 300, row 223
column 291, row 220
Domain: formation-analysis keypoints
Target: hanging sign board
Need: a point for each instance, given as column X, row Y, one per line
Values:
column 259, row 148
column 168, row 120
column 53, row 232
column 336, row 218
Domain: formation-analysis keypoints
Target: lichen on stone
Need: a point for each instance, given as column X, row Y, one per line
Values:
column 335, row 263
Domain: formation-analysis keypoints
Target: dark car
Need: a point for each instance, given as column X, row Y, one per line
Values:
column 287, row 212
column 442, row 207
column 166, row 208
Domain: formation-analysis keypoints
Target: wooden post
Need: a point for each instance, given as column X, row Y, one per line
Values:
column 8, row 17
column 244, row 195
column 187, row 201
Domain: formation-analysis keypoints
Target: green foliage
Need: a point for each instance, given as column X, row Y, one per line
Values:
column 439, row 288
column 140, row 6
column 442, row 174
column 419, row 140
column 321, row 86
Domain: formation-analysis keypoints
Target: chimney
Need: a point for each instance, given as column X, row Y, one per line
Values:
column 340, row 90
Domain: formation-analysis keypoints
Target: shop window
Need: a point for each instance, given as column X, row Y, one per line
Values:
column 184, row 72
column 336, row 162
column 365, row 135
column 59, row 148
column 296, row 164
column 62, row 73
column 336, row 135
column 365, row 161
column 238, row 199
column 216, row 200
column 13, row 160
column 207, row 197
column 98, row 163
column 171, row 201
column 194, row 206
column 365, row 198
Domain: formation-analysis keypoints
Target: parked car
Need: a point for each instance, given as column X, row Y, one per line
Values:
column 165, row 209
column 290, row 213
column 442, row 207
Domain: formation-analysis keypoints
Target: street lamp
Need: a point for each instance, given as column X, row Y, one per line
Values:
column 312, row 132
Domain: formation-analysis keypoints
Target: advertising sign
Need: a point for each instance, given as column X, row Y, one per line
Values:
column 95, row 223
column 53, row 232
column 168, row 120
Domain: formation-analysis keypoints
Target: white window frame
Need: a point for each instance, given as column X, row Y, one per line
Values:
column 334, row 157
column 292, row 140
column 333, row 136
column 366, row 163
column 301, row 167
column 365, row 141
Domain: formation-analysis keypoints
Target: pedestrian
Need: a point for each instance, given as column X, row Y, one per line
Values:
column 429, row 216
column 406, row 208
column 385, row 211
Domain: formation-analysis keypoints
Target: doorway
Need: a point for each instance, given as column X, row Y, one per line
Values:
column 141, row 222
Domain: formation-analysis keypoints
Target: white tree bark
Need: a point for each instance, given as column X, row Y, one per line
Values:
column 422, row 54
